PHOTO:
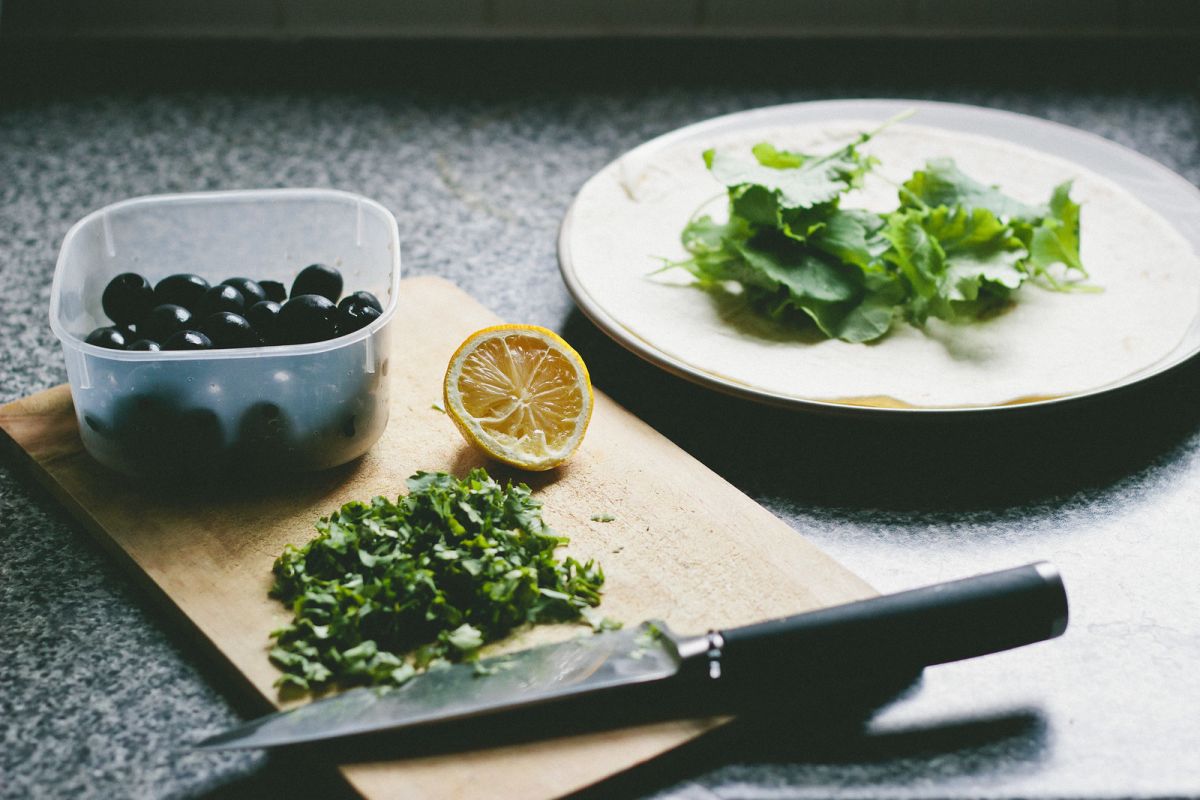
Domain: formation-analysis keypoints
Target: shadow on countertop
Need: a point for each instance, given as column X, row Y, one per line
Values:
column 937, row 464
column 815, row 757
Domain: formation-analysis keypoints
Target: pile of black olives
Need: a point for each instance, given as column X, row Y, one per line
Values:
column 183, row 312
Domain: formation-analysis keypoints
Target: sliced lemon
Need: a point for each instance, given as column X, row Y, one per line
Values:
column 519, row 393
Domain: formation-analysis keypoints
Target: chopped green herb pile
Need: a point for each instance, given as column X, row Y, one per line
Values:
column 387, row 589
column 953, row 249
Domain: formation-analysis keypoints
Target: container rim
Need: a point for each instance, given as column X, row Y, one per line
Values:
column 67, row 337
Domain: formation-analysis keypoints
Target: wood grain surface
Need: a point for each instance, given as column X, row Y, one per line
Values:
column 685, row 546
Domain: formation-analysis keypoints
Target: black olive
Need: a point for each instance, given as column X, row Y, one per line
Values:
column 362, row 298
column 318, row 279
column 183, row 289
column 307, row 318
column 142, row 425
column 145, row 344
column 127, row 298
column 109, row 337
column 263, row 435
column 355, row 316
column 197, row 439
column 227, row 330
column 275, row 290
column 264, row 418
column 252, row 291
column 221, row 298
column 164, row 320
column 264, row 317
column 187, row 340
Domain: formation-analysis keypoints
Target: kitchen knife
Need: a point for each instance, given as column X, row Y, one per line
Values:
column 837, row 650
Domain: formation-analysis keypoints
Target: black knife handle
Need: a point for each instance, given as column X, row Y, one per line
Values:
column 904, row 631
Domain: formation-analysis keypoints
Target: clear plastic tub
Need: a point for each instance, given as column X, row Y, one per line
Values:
column 295, row 407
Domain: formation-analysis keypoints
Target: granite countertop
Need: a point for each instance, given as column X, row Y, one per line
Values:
column 478, row 150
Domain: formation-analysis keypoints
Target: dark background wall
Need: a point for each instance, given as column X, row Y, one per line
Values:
column 284, row 19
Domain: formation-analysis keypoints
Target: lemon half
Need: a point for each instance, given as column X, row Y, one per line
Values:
column 519, row 393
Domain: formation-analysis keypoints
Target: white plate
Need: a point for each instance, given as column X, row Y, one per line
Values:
column 1164, row 192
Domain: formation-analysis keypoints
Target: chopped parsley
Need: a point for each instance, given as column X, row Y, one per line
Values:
column 388, row 589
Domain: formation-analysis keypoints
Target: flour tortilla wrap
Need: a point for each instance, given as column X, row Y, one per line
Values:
column 628, row 219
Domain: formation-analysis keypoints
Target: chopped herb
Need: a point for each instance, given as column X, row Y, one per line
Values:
column 647, row 636
column 599, row 622
column 491, row 667
column 389, row 589
column 953, row 249
column 603, row 518
column 437, row 407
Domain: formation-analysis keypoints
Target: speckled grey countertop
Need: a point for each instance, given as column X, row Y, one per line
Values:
column 478, row 155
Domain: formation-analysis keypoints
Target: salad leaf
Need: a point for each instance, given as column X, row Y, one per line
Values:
column 1055, row 238
column 942, row 183
column 873, row 315
column 851, row 235
column 981, row 254
column 954, row 248
column 784, row 180
column 921, row 261
column 387, row 588
column 807, row 274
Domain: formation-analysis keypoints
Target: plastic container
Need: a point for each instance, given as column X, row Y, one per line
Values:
column 295, row 407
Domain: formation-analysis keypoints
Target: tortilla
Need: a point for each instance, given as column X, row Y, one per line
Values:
column 1048, row 344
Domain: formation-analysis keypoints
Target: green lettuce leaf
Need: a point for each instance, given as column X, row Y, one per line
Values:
column 981, row 254
column 942, row 183
column 921, row 261
column 1054, row 239
column 807, row 274
column 791, row 180
column 954, row 248
column 852, row 235
column 872, row 316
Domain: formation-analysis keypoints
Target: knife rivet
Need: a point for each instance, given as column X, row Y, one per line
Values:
column 715, row 643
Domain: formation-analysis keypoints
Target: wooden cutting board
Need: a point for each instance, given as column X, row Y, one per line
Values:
column 685, row 546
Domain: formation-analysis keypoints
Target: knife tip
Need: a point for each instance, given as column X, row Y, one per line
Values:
column 226, row 740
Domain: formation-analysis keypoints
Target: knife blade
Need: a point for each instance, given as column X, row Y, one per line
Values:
column 650, row 669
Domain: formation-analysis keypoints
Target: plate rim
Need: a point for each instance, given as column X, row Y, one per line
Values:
column 890, row 106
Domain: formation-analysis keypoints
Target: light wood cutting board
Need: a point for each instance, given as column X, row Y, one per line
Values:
column 685, row 546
